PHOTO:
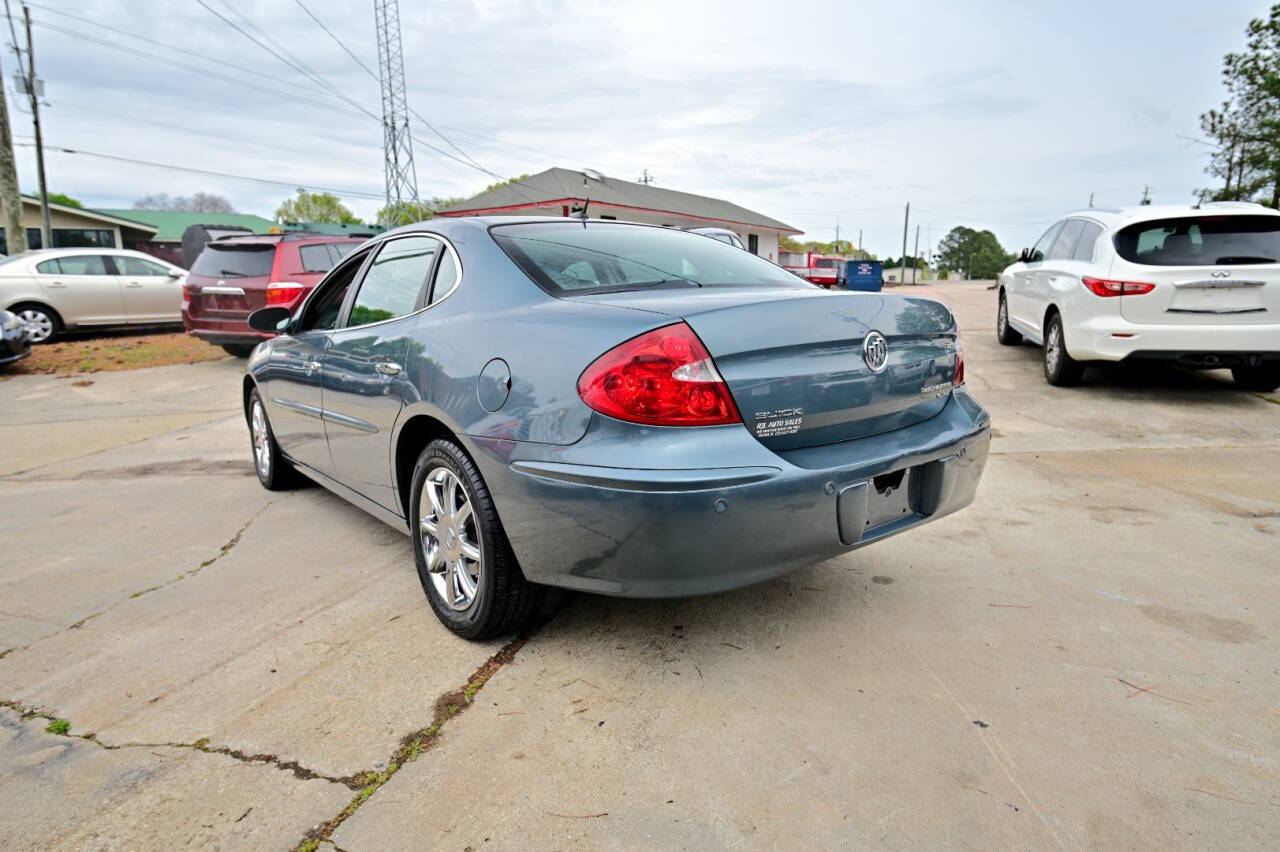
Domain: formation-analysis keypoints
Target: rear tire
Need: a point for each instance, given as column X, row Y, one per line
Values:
column 465, row 563
column 43, row 323
column 275, row 473
column 239, row 350
column 1263, row 378
column 1060, row 369
column 1004, row 332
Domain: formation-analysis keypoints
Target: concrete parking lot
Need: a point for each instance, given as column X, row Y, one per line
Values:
column 1089, row 656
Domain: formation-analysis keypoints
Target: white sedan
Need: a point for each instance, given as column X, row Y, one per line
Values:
column 55, row 290
column 1194, row 286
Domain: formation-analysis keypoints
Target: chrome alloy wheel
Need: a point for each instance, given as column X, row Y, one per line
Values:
column 39, row 325
column 1053, row 347
column 450, row 538
column 261, row 439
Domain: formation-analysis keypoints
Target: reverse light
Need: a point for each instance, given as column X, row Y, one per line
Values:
column 957, row 378
column 1104, row 287
column 664, row 377
column 283, row 292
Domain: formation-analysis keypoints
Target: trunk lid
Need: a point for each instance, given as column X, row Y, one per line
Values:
column 229, row 281
column 793, row 359
column 1202, row 295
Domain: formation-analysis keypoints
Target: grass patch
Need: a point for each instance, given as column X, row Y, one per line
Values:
column 58, row 726
column 111, row 351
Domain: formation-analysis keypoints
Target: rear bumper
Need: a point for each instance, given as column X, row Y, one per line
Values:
column 223, row 329
column 575, row 519
column 1096, row 340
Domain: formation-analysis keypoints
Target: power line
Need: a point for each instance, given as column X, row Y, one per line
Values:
column 337, row 40
column 348, row 193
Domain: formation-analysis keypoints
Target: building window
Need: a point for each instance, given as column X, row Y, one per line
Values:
column 753, row 243
column 67, row 238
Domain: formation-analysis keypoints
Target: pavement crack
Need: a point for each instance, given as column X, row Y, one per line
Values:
column 223, row 551
column 61, row 727
column 413, row 745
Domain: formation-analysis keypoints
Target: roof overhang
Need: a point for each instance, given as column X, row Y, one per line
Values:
column 87, row 213
column 552, row 203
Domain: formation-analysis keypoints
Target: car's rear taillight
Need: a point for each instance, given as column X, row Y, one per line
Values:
column 1104, row 287
column 186, row 292
column 283, row 292
column 664, row 377
column 957, row 377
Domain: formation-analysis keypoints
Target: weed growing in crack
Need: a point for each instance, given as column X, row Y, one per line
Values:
column 58, row 726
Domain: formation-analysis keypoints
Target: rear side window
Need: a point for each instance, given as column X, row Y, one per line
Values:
column 1065, row 244
column 1202, row 241
column 316, row 258
column 1088, row 239
column 235, row 261
column 568, row 259
column 447, row 276
column 85, row 264
column 394, row 281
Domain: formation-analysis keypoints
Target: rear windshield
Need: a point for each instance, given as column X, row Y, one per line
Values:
column 1202, row 241
column 235, row 261
column 581, row 258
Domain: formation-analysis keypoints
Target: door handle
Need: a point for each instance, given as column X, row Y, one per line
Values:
column 312, row 365
column 387, row 368
column 57, row 284
column 133, row 284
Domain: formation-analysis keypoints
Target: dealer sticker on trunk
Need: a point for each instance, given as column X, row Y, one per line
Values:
column 784, row 421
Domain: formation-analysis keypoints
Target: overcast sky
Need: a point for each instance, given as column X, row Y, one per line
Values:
column 999, row 115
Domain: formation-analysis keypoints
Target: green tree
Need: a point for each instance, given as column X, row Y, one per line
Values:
column 407, row 213
column 65, row 200
column 503, row 183
column 1246, row 130
column 976, row 253
column 321, row 208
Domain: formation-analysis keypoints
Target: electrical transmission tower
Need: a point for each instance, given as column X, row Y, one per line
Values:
column 397, row 143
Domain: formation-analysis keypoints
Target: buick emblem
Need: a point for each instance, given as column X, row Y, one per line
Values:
column 875, row 351
column 1221, row 273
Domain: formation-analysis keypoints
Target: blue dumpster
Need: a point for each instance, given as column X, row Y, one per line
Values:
column 864, row 275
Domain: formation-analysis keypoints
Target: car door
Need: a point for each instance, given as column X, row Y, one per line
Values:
column 152, row 291
column 1020, row 298
column 83, row 289
column 1055, row 272
column 292, row 382
column 365, row 382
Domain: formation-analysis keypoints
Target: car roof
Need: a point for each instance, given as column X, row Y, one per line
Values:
column 1119, row 217
column 78, row 250
column 289, row 237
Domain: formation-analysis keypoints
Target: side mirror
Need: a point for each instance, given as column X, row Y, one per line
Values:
column 1024, row 256
column 275, row 320
column 175, row 274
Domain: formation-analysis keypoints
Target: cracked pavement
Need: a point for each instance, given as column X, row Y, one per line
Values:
column 1085, row 657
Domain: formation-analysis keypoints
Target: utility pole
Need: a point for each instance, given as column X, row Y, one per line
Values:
column 397, row 143
column 906, row 219
column 859, row 242
column 46, row 232
column 646, row 178
column 1146, row 195
column 915, row 259
column 15, row 233
column 837, row 235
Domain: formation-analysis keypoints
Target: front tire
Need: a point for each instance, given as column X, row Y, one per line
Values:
column 1264, row 378
column 1004, row 332
column 273, row 469
column 1060, row 369
column 43, row 324
column 465, row 563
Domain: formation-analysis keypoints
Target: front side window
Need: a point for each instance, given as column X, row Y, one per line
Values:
column 571, row 259
column 1202, row 241
column 325, row 306
column 1041, row 249
column 138, row 266
column 394, row 282
column 1065, row 244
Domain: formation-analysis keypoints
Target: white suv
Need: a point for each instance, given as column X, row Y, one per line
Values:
column 1196, row 286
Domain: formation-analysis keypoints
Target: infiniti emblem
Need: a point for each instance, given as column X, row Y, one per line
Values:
column 1221, row 273
column 875, row 351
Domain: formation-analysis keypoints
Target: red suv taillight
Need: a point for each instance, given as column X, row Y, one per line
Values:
column 1103, row 287
column 664, row 377
column 283, row 292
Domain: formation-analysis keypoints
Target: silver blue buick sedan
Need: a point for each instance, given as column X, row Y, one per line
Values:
column 609, row 407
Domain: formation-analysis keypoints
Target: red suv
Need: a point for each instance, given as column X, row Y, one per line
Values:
column 234, row 276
